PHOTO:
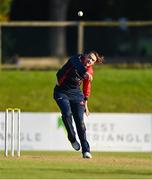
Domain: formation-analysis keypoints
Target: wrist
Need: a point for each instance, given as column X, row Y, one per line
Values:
column 85, row 98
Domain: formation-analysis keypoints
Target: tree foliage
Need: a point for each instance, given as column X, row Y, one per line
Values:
column 5, row 6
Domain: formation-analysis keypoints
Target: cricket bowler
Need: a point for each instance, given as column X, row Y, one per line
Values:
column 72, row 101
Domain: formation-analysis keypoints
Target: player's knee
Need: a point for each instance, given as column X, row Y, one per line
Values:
column 67, row 115
column 83, row 127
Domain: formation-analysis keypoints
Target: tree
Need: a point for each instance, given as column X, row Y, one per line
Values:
column 58, row 12
column 5, row 7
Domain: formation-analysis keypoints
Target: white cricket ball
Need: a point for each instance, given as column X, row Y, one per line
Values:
column 80, row 13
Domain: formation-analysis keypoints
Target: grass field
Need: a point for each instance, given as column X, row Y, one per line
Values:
column 113, row 90
column 59, row 165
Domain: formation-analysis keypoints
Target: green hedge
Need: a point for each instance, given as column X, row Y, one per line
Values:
column 113, row 90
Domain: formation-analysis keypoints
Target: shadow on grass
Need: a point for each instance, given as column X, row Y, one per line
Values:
column 98, row 171
column 73, row 173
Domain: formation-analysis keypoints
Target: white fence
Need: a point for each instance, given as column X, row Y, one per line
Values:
column 105, row 132
column 79, row 24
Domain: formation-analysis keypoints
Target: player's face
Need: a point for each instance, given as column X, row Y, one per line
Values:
column 90, row 59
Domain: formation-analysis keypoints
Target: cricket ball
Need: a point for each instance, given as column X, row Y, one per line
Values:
column 80, row 13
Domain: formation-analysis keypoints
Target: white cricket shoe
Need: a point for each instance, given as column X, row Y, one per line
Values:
column 87, row 155
column 76, row 145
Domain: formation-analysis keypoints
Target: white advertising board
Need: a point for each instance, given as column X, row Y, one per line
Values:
column 120, row 132
column 105, row 132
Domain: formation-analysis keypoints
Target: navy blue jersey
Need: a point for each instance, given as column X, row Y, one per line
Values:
column 71, row 75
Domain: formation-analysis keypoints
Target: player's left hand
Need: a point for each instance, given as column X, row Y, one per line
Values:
column 86, row 108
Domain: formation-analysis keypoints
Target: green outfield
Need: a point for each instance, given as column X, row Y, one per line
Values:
column 69, row 165
column 113, row 90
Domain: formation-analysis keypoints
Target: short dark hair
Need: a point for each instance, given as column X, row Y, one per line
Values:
column 100, row 57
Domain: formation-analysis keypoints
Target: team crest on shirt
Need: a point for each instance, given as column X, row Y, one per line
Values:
column 82, row 103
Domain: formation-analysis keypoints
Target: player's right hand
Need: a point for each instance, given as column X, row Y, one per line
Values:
column 88, row 76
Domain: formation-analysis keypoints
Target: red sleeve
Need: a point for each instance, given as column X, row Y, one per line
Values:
column 87, row 83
